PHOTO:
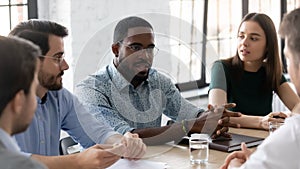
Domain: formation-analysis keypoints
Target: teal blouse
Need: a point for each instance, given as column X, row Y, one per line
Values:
column 247, row 93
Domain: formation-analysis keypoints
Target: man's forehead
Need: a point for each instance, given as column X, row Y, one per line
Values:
column 138, row 30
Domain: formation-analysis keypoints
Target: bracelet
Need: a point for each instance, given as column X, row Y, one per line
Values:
column 183, row 122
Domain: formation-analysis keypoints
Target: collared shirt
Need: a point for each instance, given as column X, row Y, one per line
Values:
column 109, row 96
column 61, row 111
column 8, row 141
column 11, row 157
column 280, row 150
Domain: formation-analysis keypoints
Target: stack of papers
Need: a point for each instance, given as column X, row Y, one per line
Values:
column 138, row 164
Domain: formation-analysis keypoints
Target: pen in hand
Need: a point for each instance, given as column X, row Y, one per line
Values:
column 278, row 117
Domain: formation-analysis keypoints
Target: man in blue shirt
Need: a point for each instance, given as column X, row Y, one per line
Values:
column 59, row 110
column 131, row 96
column 18, row 74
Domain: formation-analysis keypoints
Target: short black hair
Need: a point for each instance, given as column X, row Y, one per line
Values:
column 38, row 38
column 18, row 59
column 122, row 27
column 44, row 26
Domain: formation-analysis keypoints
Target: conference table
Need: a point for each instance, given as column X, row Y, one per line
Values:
column 177, row 156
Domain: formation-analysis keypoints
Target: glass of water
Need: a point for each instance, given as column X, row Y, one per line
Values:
column 273, row 125
column 198, row 147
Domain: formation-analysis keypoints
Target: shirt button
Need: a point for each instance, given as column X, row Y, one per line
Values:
column 42, row 142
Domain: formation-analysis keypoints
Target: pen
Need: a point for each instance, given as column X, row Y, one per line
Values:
column 278, row 117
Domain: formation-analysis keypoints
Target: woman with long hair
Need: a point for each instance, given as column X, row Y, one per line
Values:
column 252, row 75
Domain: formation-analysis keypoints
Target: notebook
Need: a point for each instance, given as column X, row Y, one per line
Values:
column 229, row 145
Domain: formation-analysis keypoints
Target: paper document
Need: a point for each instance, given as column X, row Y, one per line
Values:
column 138, row 164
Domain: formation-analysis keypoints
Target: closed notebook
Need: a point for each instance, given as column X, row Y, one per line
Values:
column 233, row 144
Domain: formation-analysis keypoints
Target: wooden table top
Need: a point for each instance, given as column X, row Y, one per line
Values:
column 177, row 156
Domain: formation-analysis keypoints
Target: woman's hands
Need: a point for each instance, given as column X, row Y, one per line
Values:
column 274, row 117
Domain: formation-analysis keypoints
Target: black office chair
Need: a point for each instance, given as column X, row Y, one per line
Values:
column 64, row 143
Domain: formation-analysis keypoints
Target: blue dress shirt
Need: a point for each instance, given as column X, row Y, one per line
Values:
column 109, row 96
column 61, row 111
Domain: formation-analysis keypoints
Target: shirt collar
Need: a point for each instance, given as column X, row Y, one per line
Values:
column 41, row 100
column 8, row 141
column 117, row 78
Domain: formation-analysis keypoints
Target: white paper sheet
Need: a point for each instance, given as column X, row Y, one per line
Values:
column 138, row 164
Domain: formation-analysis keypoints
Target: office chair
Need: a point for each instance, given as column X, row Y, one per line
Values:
column 64, row 143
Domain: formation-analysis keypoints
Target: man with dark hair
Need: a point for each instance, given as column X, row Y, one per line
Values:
column 131, row 96
column 121, row 29
column 281, row 150
column 59, row 110
column 41, row 26
column 18, row 74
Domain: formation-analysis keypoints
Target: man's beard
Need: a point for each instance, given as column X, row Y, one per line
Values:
column 132, row 76
column 50, row 82
column 139, row 78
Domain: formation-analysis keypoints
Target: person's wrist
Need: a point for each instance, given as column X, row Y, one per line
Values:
column 183, row 126
column 260, row 123
column 75, row 160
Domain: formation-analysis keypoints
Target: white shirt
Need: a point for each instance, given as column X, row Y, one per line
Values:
column 11, row 157
column 281, row 150
column 8, row 141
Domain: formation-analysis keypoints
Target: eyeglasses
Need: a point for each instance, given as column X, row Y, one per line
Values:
column 58, row 58
column 151, row 50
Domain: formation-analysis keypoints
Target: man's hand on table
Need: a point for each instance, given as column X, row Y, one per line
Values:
column 215, row 121
column 98, row 156
column 134, row 146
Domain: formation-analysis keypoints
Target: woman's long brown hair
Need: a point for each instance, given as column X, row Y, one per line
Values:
column 272, row 61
